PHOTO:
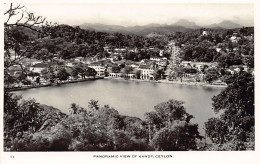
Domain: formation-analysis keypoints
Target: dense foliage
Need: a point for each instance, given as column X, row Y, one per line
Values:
column 170, row 128
column 95, row 128
column 70, row 42
column 234, row 130
column 198, row 47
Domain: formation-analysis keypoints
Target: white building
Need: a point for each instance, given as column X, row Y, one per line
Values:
column 161, row 53
column 234, row 39
column 147, row 71
column 115, row 75
column 205, row 33
column 38, row 67
column 99, row 68
column 198, row 65
column 218, row 49
column 157, row 59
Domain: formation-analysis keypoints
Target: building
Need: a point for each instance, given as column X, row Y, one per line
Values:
column 119, row 50
column 79, row 59
column 205, row 33
column 237, row 68
column 218, row 49
column 108, row 49
column 198, row 65
column 135, row 50
column 147, row 71
column 234, row 39
column 157, row 59
column 115, row 75
column 99, row 68
column 161, row 53
column 39, row 67
column 71, row 63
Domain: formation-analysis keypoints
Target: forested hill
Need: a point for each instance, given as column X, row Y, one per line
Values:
column 69, row 42
column 73, row 42
column 227, row 47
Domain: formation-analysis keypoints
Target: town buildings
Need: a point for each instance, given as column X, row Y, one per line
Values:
column 198, row 65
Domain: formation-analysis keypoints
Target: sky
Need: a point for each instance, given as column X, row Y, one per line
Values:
column 131, row 14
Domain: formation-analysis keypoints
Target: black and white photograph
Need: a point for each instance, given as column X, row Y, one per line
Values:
column 128, row 77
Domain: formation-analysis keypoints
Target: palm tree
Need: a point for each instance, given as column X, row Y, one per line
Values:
column 73, row 108
column 93, row 104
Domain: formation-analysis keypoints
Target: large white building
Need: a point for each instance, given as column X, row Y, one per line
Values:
column 99, row 68
column 147, row 71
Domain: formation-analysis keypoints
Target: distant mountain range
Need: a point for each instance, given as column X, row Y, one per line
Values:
column 180, row 26
column 187, row 24
column 225, row 24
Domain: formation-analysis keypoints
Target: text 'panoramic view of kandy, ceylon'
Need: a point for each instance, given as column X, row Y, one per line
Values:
column 129, row 77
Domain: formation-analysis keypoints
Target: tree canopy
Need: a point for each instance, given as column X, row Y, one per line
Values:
column 234, row 130
column 170, row 128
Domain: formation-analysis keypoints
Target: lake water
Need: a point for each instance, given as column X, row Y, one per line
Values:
column 130, row 98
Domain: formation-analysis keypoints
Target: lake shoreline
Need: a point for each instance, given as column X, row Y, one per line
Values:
column 49, row 85
column 122, row 79
column 171, row 82
column 128, row 97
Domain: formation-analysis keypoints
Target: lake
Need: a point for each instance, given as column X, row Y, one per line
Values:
column 130, row 98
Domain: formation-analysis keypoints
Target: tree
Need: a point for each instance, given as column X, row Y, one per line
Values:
column 170, row 128
column 250, row 61
column 48, row 74
column 180, row 137
column 11, row 114
column 179, row 72
column 24, row 118
column 116, row 69
column 211, row 75
column 75, row 73
column 63, row 74
column 93, row 104
column 17, row 44
column 79, row 69
column 236, row 125
column 138, row 74
column 190, row 70
column 8, row 79
column 44, row 54
column 38, row 80
column 75, row 109
column 15, row 125
column 126, row 70
column 91, row 72
column 56, row 138
column 65, row 54
column 23, row 19
column 230, row 59
column 158, row 73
